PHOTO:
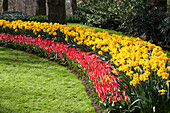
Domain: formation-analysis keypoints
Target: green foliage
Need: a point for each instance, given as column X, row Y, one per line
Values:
column 145, row 97
column 111, row 15
column 153, row 22
column 39, row 18
column 98, row 14
column 33, row 84
column 168, row 53
column 11, row 16
column 168, row 2
column 73, row 19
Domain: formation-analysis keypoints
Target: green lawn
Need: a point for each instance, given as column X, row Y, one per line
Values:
column 96, row 29
column 32, row 84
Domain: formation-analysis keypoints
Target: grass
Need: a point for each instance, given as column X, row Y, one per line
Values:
column 96, row 29
column 32, row 84
column 168, row 53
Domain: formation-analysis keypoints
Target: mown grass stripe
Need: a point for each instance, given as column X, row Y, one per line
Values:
column 32, row 84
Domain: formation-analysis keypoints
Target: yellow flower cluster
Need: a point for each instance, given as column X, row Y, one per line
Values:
column 135, row 57
column 128, row 54
column 35, row 27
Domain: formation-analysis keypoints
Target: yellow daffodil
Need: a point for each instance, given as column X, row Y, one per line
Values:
column 100, row 52
column 167, row 83
column 107, row 78
column 162, row 92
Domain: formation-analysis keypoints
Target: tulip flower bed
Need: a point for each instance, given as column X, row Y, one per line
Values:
column 104, row 83
column 130, row 64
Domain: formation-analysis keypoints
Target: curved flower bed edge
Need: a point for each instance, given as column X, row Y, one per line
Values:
column 108, row 91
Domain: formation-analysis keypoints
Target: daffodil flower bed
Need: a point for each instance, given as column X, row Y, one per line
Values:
column 143, row 66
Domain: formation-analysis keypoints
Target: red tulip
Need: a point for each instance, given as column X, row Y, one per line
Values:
column 124, row 92
column 121, row 98
column 118, row 79
column 48, row 53
column 110, row 98
column 126, row 98
column 109, row 88
column 115, row 98
column 104, row 90
column 117, row 93
column 112, row 92
column 103, row 98
column 99, row 93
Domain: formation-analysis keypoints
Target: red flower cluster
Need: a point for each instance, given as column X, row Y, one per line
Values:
column 98, row 71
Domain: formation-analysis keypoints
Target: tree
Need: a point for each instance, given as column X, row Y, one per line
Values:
column 5, row 5
column 160, row 4
column 57, row 11
column 41, row 7
column 74, row 6
column 1, row 5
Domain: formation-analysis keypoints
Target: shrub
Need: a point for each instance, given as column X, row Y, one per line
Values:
column 39, row 18
column 98, row 14
column 11, row 16
column 153, row 22
column 73, row 19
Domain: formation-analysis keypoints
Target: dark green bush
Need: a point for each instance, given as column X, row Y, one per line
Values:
column 139, row 17
column 11, row 16
column 73, row 19
column 153, row 22
column 39, row 18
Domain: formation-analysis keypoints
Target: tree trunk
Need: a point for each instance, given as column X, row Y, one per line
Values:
column 41, row 7
column 160, row 4
column 74, row 6
column 1, row 6
column 5, row 5
column 57, row 11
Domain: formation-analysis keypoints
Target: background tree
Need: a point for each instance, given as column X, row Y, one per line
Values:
column 74, row 6
column 5, row 5
column 57, row 11
column 41, row 7
column 1, row 5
